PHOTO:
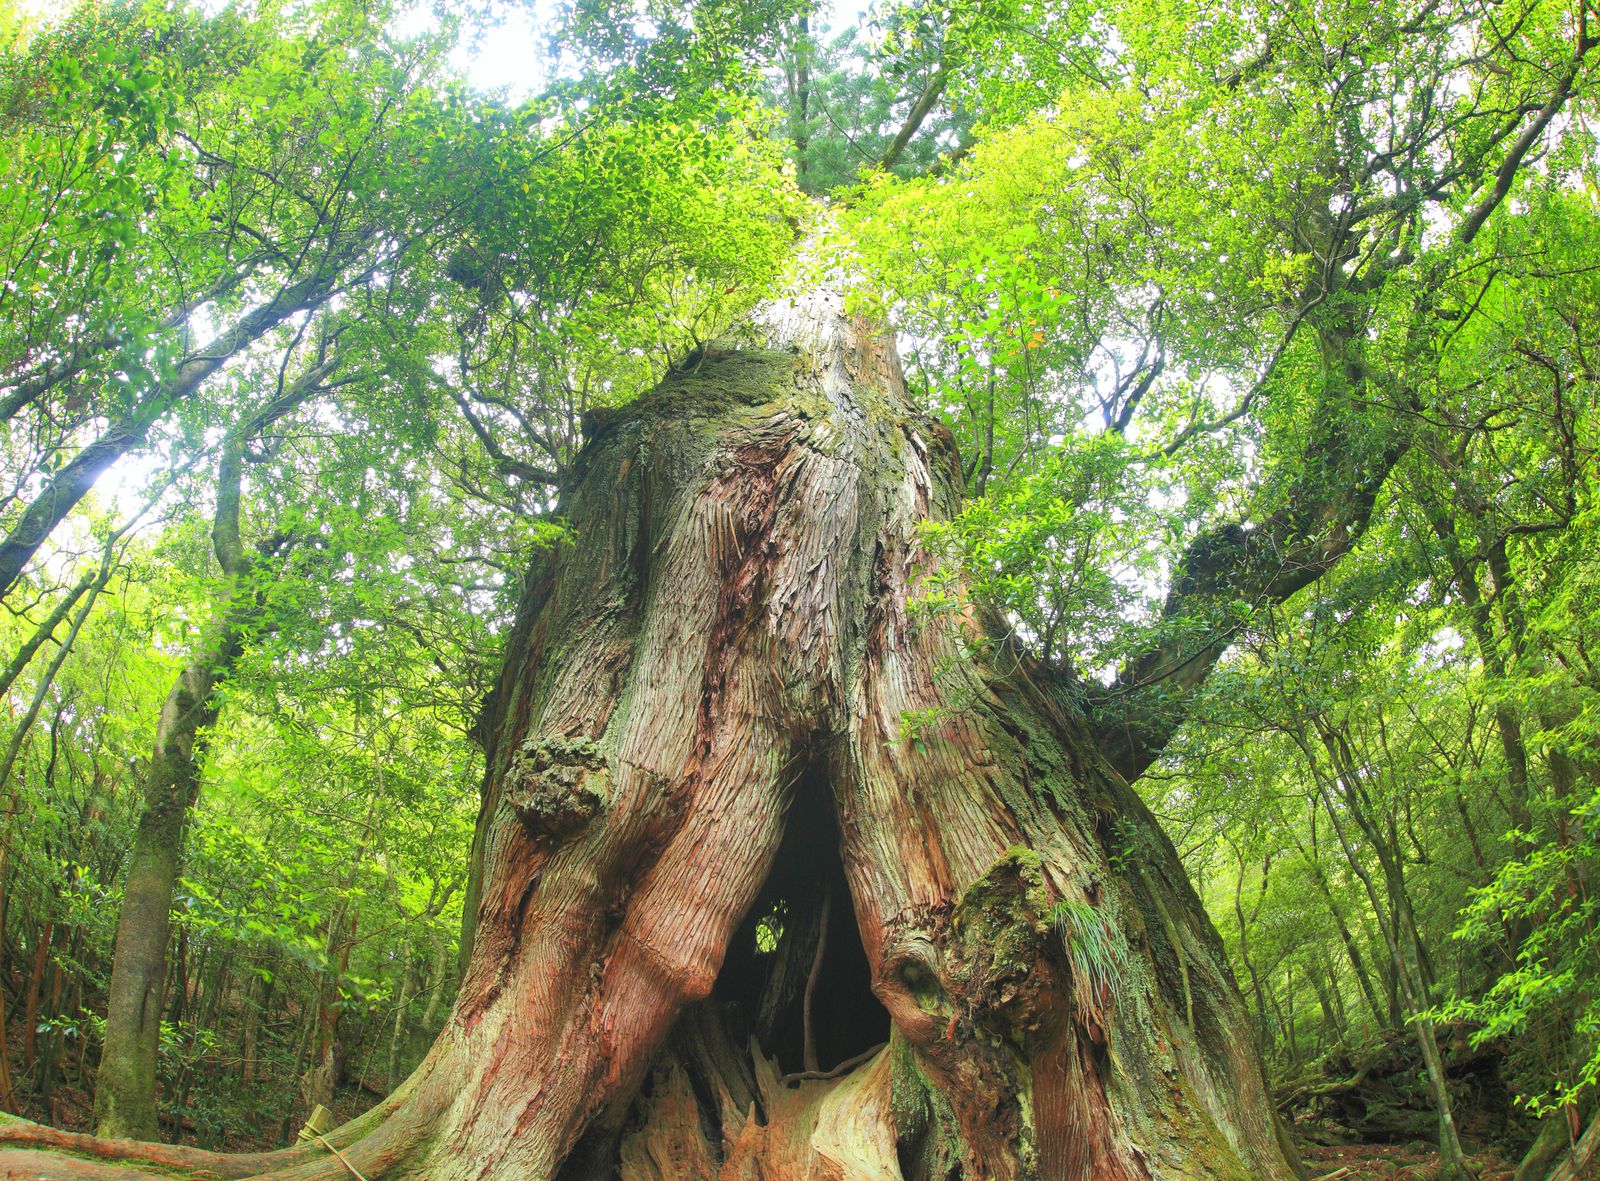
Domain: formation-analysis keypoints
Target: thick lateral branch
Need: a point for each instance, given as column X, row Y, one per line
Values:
column 1230, row 571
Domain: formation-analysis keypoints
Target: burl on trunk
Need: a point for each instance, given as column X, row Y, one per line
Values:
column 712, row 850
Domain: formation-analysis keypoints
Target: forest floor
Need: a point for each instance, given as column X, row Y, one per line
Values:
column 71, row 1108
column 1392, row 1162
column 259, row 1125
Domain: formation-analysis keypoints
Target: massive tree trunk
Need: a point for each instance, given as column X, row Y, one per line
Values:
column 720, row 707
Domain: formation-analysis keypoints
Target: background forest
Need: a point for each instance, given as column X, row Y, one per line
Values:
column 302, row 325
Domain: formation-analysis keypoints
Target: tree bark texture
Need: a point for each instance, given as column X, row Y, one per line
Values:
column 700, row 727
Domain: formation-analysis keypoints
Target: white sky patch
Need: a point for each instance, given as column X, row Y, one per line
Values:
column 31, row 12
column 511, row 57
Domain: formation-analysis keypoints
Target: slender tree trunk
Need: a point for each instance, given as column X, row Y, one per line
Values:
column 1412, row 975
column 178, row 990
column 125, row 1092
column 700, row 716
column 256, row 998
column 50, row 1050
column 1327, row 992
column 397, row 1039
column 1285, row 1015
column 1347, row 940
column 302, row 1047
column 441, row 963
column 35, row 995
column 1508, row 723
column 401, row 1038
column 215, row 994
column 327, row 1063
column 8, row 1099
column 798, row 69
column 1263, row 1026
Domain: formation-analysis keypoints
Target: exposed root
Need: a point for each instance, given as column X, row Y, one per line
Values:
column 20, row 1136
column 838, row 1071
column 36, row 1152
column 806, row 1005
column 30, row 1165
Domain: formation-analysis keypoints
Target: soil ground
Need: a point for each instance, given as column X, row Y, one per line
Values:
column 1392, row 1162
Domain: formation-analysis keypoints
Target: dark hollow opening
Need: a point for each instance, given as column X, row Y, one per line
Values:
column 774, row 953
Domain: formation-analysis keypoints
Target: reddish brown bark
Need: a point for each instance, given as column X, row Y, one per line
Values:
column 727, row 653
column 30, row 1012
